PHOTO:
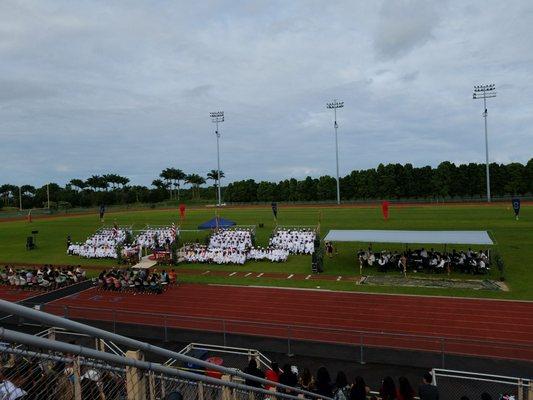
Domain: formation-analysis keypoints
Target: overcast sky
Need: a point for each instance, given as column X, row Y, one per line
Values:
column 92, row 87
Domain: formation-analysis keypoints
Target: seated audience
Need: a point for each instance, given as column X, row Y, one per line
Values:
column 47, row 277
column 424, row 260
column 103, row 244
column 134, row 280
column 296, row 241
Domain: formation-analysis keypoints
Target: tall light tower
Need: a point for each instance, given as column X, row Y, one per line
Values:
column 218, row 117
column 485, row 92
column 334, row 105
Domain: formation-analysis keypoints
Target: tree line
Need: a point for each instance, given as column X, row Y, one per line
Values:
column 390, row 181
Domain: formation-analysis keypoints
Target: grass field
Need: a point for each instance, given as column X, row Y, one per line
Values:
column 514, row 240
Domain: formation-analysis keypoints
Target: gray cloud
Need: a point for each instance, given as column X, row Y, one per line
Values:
column 403, row 25
column 95, row 87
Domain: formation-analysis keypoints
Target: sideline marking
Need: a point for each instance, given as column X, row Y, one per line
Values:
column 233, row 273
column 290, row 276
column 248, row 274
column 205, row 272
column 260, row 275
column 307, row 277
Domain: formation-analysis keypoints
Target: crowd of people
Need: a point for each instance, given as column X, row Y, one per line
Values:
column 103, row 244
column 341, row 388
column 39, row 379
column 470, row 261
column 295, row 241
column 271, row 254
column 156, row 238
column 234, row 239
column 197, row 253
column 136, row 280
column 46, row 277
column 232, row 246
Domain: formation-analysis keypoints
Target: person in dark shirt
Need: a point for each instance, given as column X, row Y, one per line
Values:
column 323, row 383
column 427, row 391
column 288, row 377
column 252, row 369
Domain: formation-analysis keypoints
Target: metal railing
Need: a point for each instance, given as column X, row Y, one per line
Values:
column 48, row 369
column 146, row 348
column 454, row 384
column 262, row 360
column 359, row 339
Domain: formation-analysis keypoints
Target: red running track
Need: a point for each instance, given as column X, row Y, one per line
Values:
column 12, row 294
column 476, row 327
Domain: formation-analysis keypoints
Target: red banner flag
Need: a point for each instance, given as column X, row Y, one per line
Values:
column 385, row 210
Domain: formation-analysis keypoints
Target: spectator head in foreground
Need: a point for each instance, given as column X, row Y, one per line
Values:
column 174, row 396
column 323, row 382
column 388, row 389
column 359, row 389
column 405, row 389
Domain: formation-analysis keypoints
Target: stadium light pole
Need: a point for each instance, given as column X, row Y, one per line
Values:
column 485, row 92
column 334, row 105
column 217, row 117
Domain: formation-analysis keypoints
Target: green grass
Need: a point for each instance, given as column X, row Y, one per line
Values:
column 514, row 240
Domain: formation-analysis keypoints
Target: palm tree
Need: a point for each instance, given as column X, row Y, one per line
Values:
column 177, row 176
column 78, row 183
column 96, row 182
column 27, row 189
column 122, row 180
column 7, row 191
column 166, row 175
column 159, row 184
column 195, row 181
column 110, row 179
column 213, row 175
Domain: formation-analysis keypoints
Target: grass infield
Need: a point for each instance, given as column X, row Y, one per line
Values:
column 514, row 240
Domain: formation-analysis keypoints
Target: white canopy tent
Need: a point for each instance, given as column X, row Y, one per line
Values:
column 418, row 237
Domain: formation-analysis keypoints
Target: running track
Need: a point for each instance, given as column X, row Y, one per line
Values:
column 11, row 294
column 467, row 324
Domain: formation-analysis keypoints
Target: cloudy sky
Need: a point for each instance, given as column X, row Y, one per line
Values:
column 91, row 87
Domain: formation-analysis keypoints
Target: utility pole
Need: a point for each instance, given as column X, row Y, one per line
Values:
column 334, row 105
column 218, row 117
column 485, row 92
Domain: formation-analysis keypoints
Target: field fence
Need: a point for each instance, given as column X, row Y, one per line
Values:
column 455, row 384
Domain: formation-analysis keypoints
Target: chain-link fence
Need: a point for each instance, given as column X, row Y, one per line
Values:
column 456, row 384
column 31, row 373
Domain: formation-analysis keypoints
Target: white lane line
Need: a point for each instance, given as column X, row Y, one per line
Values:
column 233, row 273
column 248, row 274
column 308, row 277
column 290, row 276
column 260, row 275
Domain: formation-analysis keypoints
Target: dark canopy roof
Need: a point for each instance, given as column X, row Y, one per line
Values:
column 216, row 222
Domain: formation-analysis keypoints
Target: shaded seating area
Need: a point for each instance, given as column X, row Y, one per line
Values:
column 420, row 259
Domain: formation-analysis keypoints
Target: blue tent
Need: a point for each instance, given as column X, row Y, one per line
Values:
column 216, row 222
